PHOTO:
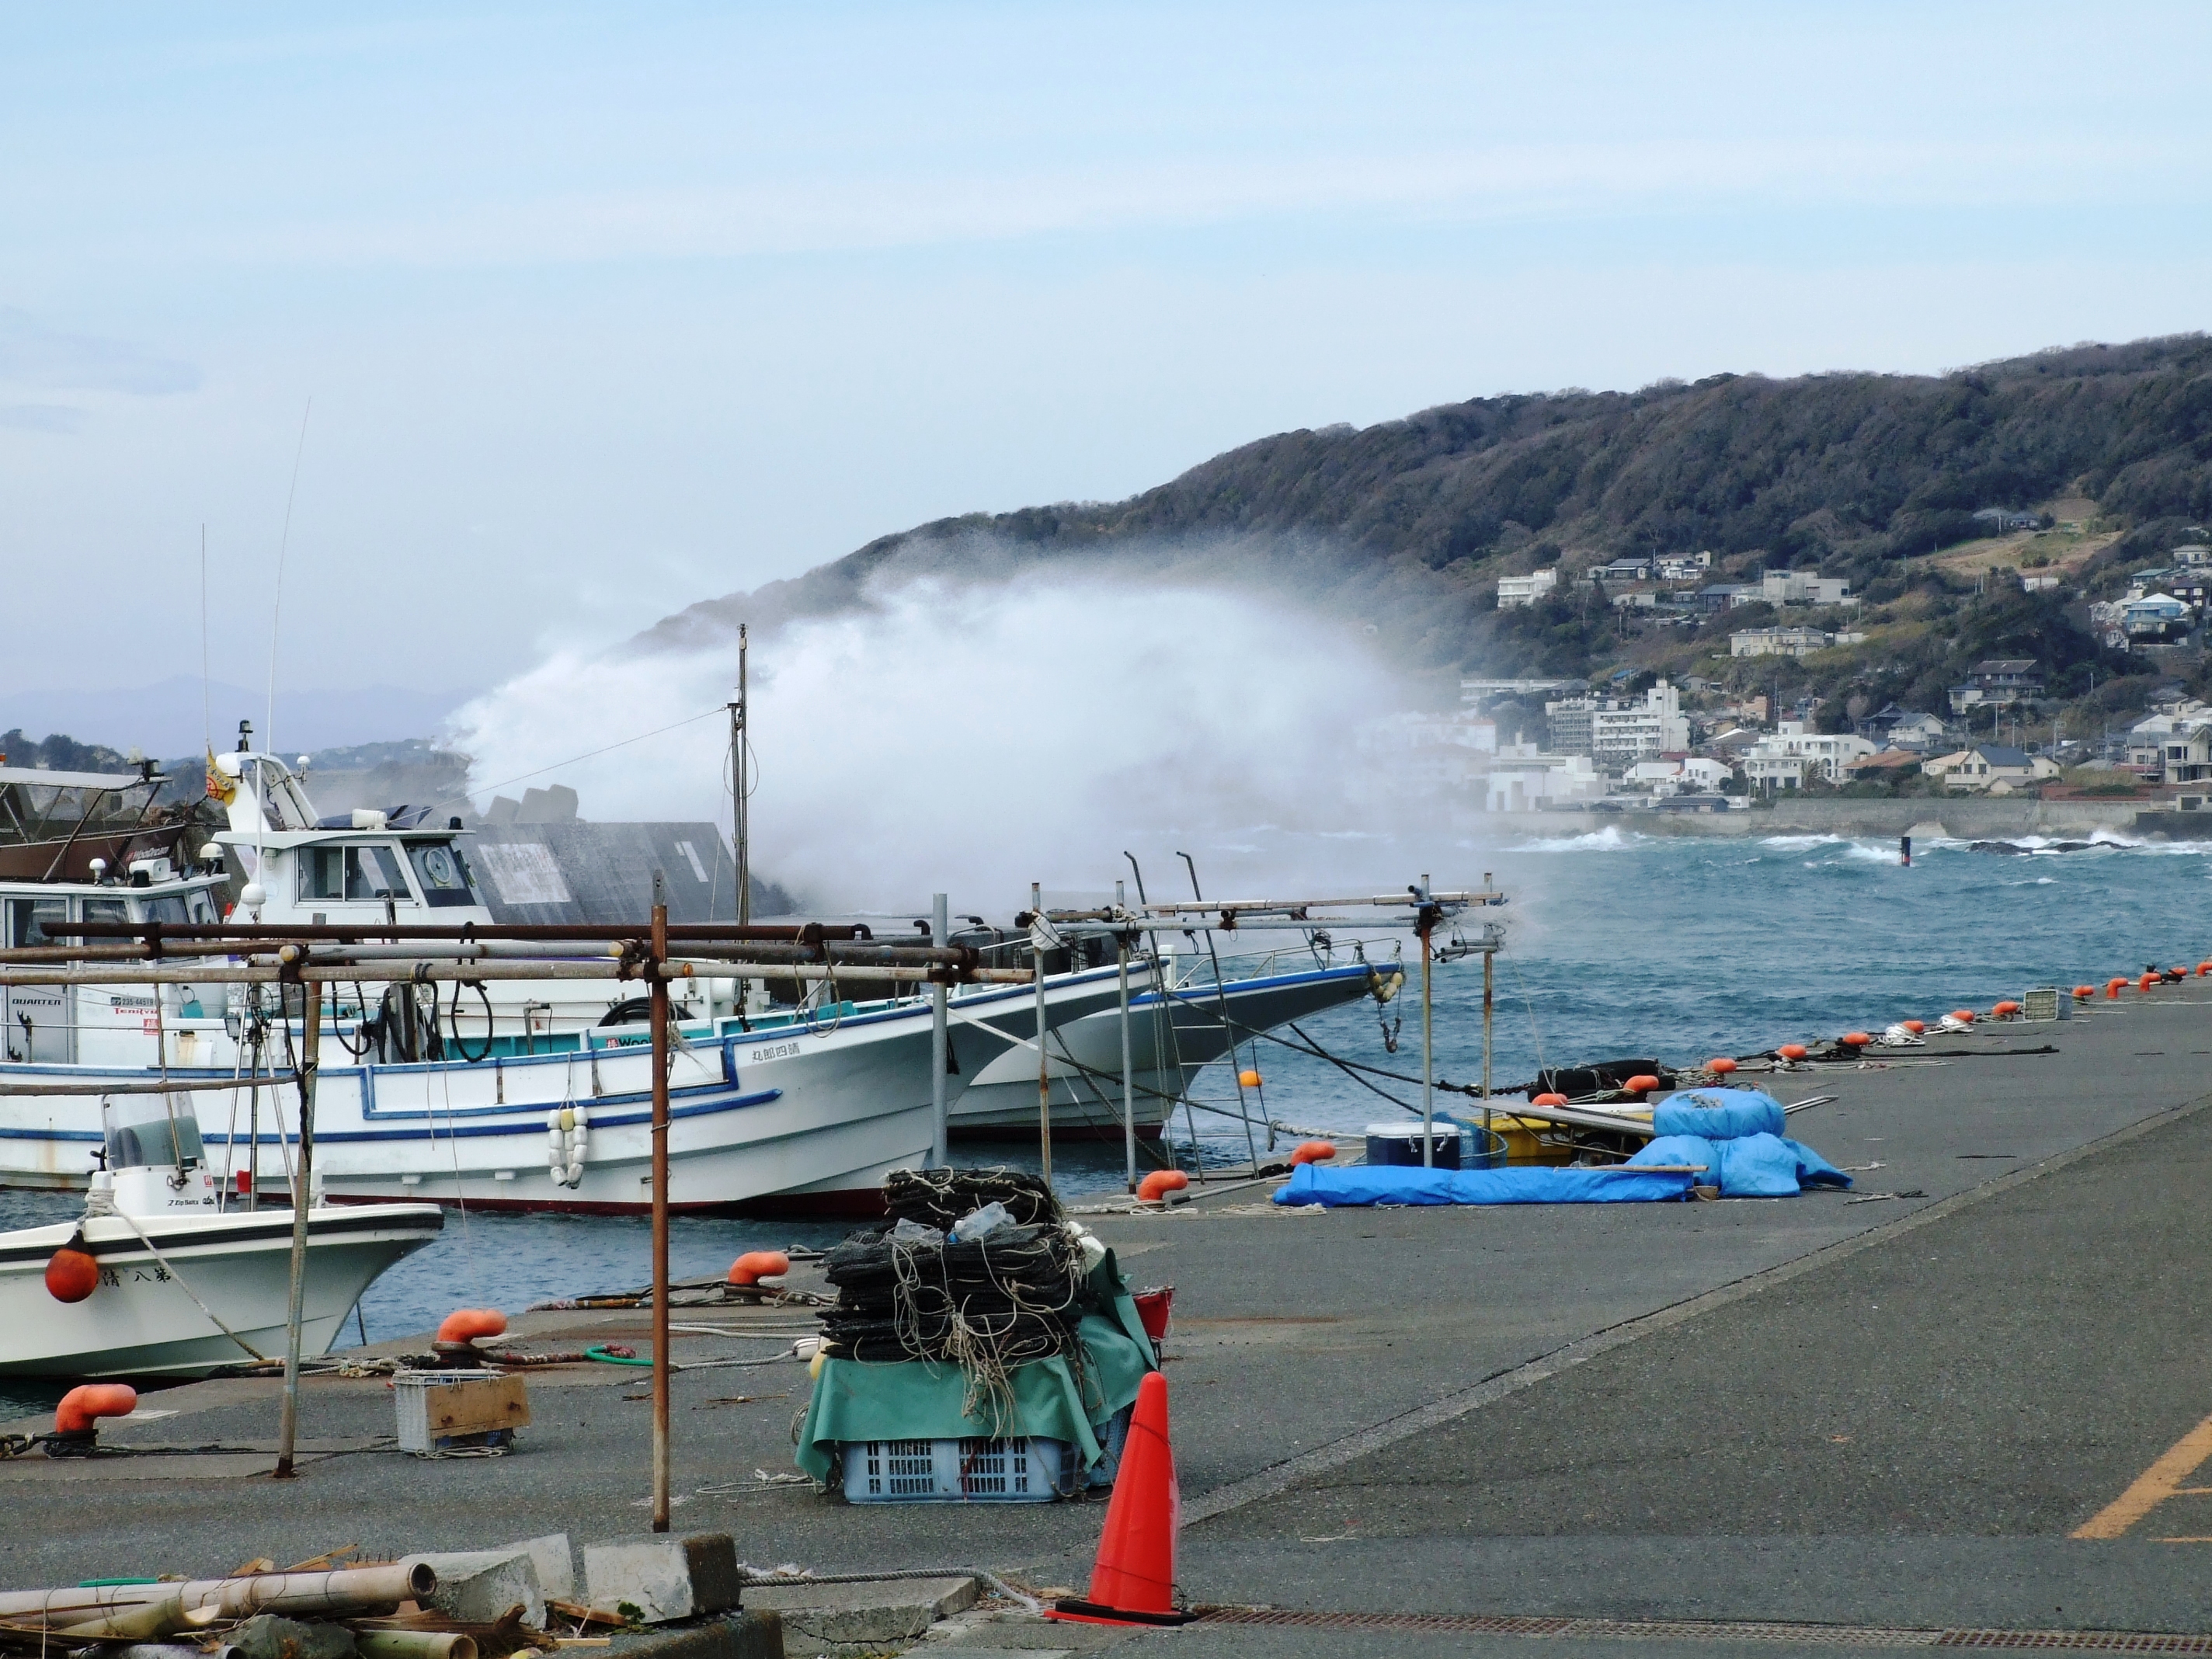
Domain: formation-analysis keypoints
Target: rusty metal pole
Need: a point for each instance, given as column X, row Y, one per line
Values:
column 940, row 1043
column 660, row 1367
column 1128, row 1076
column 287, row 1425
column 740, row 818
column 1044, row 1074
column 1428, row 1036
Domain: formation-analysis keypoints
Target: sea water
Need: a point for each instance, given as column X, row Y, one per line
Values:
column 1674, row 948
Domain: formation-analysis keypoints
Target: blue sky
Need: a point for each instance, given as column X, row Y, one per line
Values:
column 604, row 310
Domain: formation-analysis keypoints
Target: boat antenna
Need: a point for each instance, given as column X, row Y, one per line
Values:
column 207, row 696
column 276, row 607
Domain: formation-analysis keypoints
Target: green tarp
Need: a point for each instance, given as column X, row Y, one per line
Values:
column 921, row 1400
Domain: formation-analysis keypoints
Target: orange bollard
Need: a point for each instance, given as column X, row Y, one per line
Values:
column 1134, row 1580
column 1918, row 1027
column 1964, row 1016
column 466, row 1324
column 2146, row 982
column 82, row 1406
column 1792, row 1051
column 1721, row 1065
column 1313, row 1152
column 2112, row 986
column 2083, row 993
column 1547, row 1100
column 1155, row 1187
column 1856, row 1039
column 754, row 1266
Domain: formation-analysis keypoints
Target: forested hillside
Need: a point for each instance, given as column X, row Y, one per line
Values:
column 1406, row 525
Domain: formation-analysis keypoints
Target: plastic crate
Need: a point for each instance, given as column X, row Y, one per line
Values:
column 2045, row 1003
column 1112, row 1435
column 1026, row 1471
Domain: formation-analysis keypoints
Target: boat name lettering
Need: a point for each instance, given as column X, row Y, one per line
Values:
column 774, row 1051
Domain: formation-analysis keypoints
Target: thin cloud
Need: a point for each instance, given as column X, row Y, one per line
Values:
column 33, row 354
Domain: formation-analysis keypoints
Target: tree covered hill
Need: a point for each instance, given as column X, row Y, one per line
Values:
column 1406, row 525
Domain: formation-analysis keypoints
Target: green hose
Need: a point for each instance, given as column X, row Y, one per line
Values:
column 601, row 1354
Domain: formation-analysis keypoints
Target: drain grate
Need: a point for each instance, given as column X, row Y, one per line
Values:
column 1687, row 1630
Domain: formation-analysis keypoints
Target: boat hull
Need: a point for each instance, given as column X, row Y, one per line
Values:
column 142, row 1322
column 1171, row 1039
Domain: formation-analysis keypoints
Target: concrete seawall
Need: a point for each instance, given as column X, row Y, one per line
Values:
column 1966, row 819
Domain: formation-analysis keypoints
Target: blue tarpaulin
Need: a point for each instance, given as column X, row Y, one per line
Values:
column 1314, row 1183
column 1717, row 1115
column 1748, row 1166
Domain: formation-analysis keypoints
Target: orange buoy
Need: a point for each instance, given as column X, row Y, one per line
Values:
column 754, row 1266
column 1313, row 1152
column 1918, row 1027
column 2112, row 986
column 72, row 1274
column 1856, row 1039
column 1547, row 1100
column 466, row 1324
column 1792, row 1051
column 1642, row 1083
column 1248, row 1079
column 1155, row 1187
column 1722, row 1065
column 84, row 1406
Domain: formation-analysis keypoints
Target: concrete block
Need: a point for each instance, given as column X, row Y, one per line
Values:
column 481, row 1585
column 745, row 1635
column 834, row 1619
column 556, row 1563
column 663, row 1578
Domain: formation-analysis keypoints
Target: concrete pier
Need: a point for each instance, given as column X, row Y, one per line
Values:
column 1892, row 1414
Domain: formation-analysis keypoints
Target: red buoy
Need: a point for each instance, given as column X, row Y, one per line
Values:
column 72, row 1275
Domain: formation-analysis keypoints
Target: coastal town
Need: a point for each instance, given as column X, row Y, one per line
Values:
column 1741, row 719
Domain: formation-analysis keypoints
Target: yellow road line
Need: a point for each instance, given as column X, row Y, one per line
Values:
column 2160, row 1481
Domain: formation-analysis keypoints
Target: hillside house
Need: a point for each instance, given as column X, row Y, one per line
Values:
column 1802, row 588
column 1617, row 733
column 2174, row 747
column 1514, row 591
column 1776, row 641
column 1903, row 728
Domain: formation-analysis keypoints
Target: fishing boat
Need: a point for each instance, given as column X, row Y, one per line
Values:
column 176, row 1278
column 1182, row 1018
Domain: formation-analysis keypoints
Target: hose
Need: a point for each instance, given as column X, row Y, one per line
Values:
column 601, row 1354
column 454, row 1021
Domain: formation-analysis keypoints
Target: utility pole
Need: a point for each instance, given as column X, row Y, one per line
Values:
column 739, row 825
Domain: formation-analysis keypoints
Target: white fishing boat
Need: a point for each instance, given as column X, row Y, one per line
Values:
column 1174, row 1033
column 179, row 1281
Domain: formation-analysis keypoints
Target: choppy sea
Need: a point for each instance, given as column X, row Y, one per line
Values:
column 1618, row 944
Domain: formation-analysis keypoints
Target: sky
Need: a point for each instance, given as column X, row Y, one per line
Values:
column 537, row 323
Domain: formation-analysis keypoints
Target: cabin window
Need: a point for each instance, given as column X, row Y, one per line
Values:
column 356, row 873
column 29, row 919
column 444, row 874
column 98, row 909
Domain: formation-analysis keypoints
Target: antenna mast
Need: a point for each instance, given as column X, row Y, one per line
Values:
column 738, row 825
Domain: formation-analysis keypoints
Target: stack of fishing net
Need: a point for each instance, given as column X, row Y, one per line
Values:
column 1010, row 1298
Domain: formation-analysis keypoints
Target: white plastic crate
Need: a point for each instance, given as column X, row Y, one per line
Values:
column 2045, row 1003
column 1026, row 1471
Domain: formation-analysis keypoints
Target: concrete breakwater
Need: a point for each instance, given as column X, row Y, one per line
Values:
column 1963, row 819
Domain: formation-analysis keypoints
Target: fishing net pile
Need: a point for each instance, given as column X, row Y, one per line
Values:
column 979, row 1269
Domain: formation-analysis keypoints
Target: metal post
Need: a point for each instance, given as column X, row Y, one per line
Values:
column 1128, row 1078
column 288, row 1427
column 940, row 1036
column 1044, row 1075
column 659, row 1206
column 741, row 823
column 1428, row 1035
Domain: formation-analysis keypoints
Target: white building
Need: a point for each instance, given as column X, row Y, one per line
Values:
column 1616, row 732
column 2175, row 747
column 1522, row 779
column 1800, row 587
column 1796, row 752
column 1513, row 590
column 1776, row 641
column 1695, row 775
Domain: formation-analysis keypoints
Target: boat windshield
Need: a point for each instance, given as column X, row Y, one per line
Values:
column 443, row 872
column 353, row 873
column 142, row 1134
column 194, row 906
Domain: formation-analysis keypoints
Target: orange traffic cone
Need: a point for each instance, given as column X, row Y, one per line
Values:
column 1133, row 1581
